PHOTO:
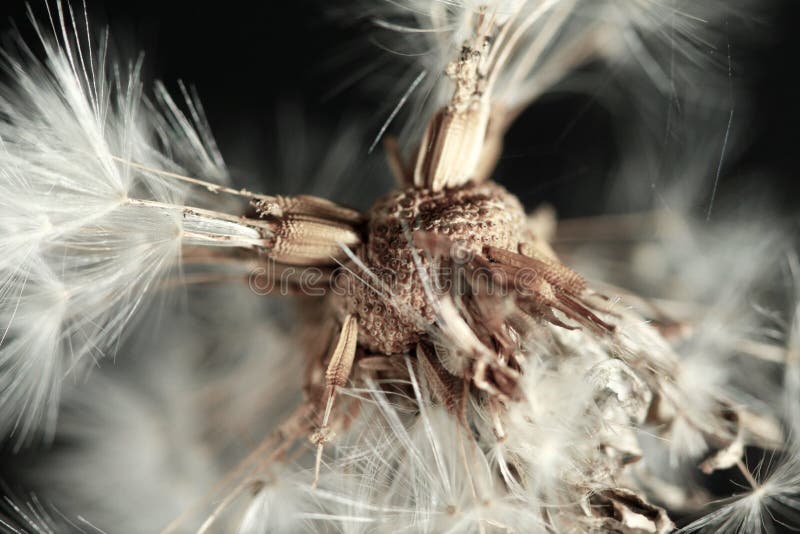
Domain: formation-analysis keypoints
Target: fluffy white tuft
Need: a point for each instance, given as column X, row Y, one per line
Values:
column 540, row 42
column 84, row 234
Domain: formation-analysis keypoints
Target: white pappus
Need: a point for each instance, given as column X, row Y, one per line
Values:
column 86, row 235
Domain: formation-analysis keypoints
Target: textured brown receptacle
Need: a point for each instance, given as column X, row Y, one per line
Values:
column 474, row 216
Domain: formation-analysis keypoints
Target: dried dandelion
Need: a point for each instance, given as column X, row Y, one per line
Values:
column 446, row 371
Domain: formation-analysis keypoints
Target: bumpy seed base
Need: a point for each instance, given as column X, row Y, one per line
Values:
column 473, row 215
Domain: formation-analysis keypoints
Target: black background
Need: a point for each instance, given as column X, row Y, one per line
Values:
column 250, row 59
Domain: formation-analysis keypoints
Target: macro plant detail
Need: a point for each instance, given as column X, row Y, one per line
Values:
column 451, row 372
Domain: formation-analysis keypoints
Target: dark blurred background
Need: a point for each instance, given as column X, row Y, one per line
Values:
column 252, row 60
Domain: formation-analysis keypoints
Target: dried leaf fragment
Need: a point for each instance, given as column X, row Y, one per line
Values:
column 623, row 511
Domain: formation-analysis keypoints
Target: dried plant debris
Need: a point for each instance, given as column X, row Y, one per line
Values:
column 444, row 369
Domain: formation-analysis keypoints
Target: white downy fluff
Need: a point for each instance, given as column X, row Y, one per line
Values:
column 157, row 430
column 134, row 443
column 84, row 236
column 542, row 41
column 406, row 465
column 772, row 501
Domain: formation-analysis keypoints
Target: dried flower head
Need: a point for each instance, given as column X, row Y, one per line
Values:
column 446, row 370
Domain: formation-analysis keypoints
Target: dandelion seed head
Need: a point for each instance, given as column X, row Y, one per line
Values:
column 570, row 411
